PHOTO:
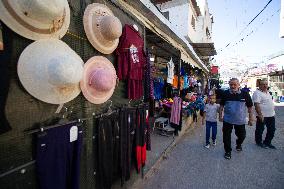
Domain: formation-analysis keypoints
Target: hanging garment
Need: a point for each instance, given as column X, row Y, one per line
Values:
column 58, row 159
column 158, row 87
column 181, row 83
column 171, row 67
column 107, row 150
column 148, row 132
column 175, row 82
column 127, row 117
column 131, row 60
column 5, row 59
column 147, row 80
column 175, row 111
column 186, row 82
column 140, row 139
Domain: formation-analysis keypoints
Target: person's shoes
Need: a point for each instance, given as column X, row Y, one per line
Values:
column 239, row 148
column 214, row 143
column 262, row 145
column 271, row 146
column 207, row 146
column 227, row 155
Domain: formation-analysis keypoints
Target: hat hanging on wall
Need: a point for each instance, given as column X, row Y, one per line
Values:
column 102, row 28
column 50, row 71
column 36, row 19
column 99, row 80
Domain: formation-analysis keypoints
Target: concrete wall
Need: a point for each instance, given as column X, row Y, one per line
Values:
column 181, row 13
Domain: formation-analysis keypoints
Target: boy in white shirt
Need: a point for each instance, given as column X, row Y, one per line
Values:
column 265, row 115
column 210, row 115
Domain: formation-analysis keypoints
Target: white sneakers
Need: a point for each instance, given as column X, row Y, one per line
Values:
column 208, row 145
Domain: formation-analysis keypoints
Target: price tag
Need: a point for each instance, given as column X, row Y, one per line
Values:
column 73, row 133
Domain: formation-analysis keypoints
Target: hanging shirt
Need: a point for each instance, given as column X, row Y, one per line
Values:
column 186, row 82
column 131, row 60
column 171, row 68
column 175, row 82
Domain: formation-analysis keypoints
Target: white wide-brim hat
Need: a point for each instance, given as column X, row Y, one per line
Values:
column 36, row 19
column 50, row 71
column 102, row 28
column 99, row 80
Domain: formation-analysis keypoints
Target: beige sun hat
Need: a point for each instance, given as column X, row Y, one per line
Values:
column 99, row 80
column 102, row 28
column 36, row 19
column 50, row 71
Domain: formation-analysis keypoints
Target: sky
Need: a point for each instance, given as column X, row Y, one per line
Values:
column 230, row 20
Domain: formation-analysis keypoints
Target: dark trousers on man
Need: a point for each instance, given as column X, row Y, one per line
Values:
column 270, row 125
column 240, row 132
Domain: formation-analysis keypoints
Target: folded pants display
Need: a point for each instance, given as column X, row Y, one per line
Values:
column 58, row 159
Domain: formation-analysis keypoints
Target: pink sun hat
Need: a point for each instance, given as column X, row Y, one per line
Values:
column 99, row 80
column 102, row 28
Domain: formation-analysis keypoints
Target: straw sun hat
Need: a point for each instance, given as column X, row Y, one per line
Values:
column 36, row 19
column 102, row 28
column 50, row 71
column 99, row 80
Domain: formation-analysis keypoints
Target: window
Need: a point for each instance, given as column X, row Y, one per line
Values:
column 208, row 33
column 193, row 22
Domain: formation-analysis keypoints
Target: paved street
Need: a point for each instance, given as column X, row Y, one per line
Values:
column 191, row 166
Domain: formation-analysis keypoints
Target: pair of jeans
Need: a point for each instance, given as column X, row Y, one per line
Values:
column 210, row 125
column 240, row 132
column 270, row 125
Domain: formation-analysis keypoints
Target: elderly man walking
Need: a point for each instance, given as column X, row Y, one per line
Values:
column 264, row 108
column 234, row 102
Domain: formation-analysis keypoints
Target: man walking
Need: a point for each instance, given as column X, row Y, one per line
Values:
column 264, row 108
column 234, row 103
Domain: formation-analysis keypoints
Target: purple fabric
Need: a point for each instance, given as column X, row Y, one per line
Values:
column 58, row 159
column 175, row 112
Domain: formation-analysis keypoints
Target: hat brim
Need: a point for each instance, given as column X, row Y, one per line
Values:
column 33, row 75
column 35, row 32
column 92, row 95
column 93, row 34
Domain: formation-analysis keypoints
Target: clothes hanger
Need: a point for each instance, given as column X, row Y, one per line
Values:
column 109, row 111
column 135, row 27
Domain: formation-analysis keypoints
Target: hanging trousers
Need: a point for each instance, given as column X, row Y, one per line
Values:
column 107, row 150
column 58, row 159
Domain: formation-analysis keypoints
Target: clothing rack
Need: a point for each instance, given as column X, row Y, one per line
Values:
column 79, row 121
column 41, row 129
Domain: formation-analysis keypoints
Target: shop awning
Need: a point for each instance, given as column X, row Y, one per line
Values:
column 146, row 12
column 204, row 49
column 159, row 46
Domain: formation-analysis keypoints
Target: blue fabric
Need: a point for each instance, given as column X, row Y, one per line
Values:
column 186, row 82
column 158, row 87
column 58, row 159
column 235, row 104
column 235, row 112
column 210, row 125
column 182, row 72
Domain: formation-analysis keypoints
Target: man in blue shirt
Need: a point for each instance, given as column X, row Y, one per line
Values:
column 234, row 103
